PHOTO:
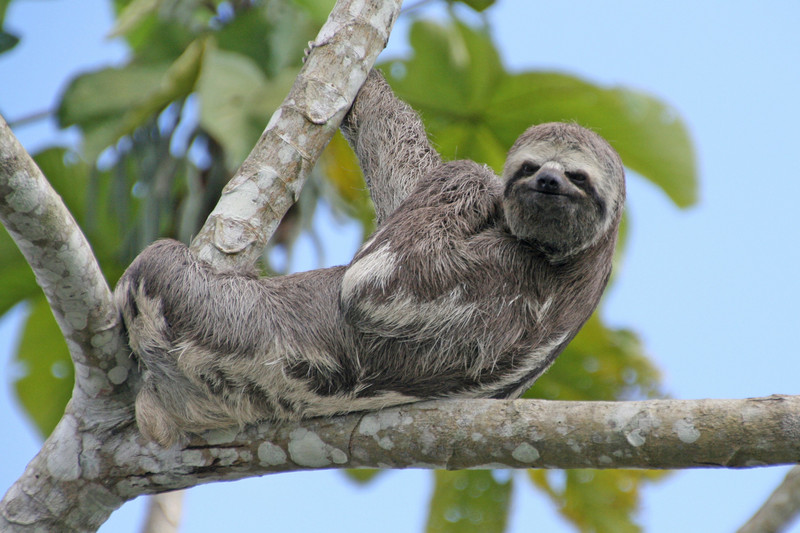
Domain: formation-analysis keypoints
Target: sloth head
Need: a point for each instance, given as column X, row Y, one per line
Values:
column 564, row 188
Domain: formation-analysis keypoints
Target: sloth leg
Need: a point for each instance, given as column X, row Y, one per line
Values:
column 390, row 141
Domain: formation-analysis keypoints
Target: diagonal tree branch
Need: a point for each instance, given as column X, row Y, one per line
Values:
column 65, row 269
column 780, row 509
column 270, row 179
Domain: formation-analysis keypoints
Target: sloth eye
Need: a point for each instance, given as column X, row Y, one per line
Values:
column 577, row 177
column 528, row 169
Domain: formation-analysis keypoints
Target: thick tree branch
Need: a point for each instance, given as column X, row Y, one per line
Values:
column 780, row 509
column 270, row 179
column 65, row 268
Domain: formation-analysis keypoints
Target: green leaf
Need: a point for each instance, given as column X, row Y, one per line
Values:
column 230, row 84
column 132, row 15
column 468, row 501
column 98, row 102
column 7, row 41
column 346, row 189
column 46, row 385
column 647, row 133
column 599, row 364
column 236, row 100
column 318, row 10
column 452, row 73
column 478, row 5
column 596, row 500
column 362, row 476
column 113, row 102
column 18, row 281
column 474, row 109
column 249, row 34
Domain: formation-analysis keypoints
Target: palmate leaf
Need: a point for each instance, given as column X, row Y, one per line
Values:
column 474, row 109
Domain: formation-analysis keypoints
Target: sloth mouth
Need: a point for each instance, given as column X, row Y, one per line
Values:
column 548, row 193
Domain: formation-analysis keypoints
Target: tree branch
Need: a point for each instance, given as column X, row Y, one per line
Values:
column 270, row 179
column 780, row 509
column 109, row 469
column 65, row 269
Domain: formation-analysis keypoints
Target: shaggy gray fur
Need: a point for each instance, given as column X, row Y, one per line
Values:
column 470, row 287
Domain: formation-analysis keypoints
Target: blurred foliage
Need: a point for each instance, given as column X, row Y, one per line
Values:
column 595, row 500
column 163, row 133
column 7, row 40
column 465, row 501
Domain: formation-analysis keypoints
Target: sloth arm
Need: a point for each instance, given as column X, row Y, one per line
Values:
column 390, row 141
column 435, row 243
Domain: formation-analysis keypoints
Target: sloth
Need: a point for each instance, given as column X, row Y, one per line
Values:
column 470, row 287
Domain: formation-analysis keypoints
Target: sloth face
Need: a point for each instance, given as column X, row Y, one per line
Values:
column 564, row 188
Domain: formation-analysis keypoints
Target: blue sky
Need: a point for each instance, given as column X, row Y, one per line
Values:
column 712, row 290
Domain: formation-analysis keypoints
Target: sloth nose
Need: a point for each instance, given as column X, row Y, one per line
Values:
column 548, row 181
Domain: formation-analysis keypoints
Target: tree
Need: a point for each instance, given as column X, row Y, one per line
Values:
column 199, row 57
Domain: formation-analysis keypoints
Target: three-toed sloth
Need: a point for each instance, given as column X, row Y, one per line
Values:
column 469, row 288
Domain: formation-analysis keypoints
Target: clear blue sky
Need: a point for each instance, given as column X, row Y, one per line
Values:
column 713, row 291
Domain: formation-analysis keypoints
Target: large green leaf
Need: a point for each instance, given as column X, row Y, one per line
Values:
column 596, row 500
column 46, row 385
column 465, row 501
column 599, row 364
column 647, row 133
column 274, row 35
column 113, row 102
column 7, row 41
column 452, row 74
column 98, row 101
column 236, row 100
column 318, row 10
column 474, row 109
column 132, row 15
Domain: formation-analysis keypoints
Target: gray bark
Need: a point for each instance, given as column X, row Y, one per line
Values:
column 780, row 509
column 270, row 179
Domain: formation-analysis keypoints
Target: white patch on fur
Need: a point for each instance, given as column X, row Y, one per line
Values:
column 524, row 367
column 375, row 269
column 428, row 318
